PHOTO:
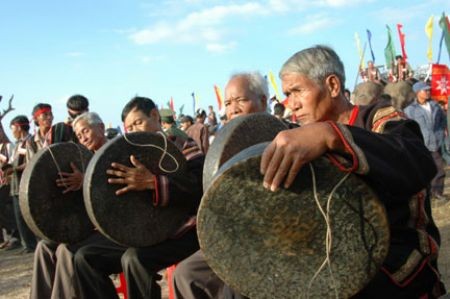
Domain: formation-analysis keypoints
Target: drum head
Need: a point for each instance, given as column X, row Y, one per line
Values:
column 132, row 219
column 271, row 244
column 236, row 135
column 49, row 213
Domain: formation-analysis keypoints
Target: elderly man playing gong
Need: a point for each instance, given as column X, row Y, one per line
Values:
column 377, row 143
column 53, row 274
column 96, row 261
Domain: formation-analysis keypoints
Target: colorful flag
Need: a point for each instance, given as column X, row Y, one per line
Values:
column 194, row 102
column 389, row 51
column 445, row 26
column 429, row 33
column 369, row 38
column 401, row 36
column 171, row 105
column 218, row 96
column 360, row 51
column 440, row 82
column 274, row 85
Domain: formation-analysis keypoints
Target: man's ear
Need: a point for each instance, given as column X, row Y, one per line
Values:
column 333, row 84
column 154, row 113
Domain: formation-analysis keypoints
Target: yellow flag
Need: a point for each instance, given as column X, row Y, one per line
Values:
column 429, row 33
column 358, row 46
column 274, row 85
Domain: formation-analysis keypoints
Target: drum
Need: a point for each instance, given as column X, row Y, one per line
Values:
column 274, row 244
column 236, row 135
column 49, row 213
column 132, row 219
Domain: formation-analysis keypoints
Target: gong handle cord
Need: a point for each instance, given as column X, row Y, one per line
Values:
column 328, row 236
column 163, row 150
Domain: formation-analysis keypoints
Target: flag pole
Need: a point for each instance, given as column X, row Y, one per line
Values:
column 359, row 65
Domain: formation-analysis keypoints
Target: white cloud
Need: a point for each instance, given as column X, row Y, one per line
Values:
column 312, row 24
column 220, row 48
column 74, row 54
column 204, row 26
column 208, row 25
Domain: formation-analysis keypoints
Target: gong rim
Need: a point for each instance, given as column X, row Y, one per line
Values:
column 131, row 219
column 262, row 265
column 239, row 133
column 51, row 215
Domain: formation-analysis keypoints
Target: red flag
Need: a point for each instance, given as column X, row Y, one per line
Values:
column 171, row 104
column 401, row 36
column 218, row 96
column 440, row 82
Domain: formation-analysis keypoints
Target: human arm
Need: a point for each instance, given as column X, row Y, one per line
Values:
column 396, row 160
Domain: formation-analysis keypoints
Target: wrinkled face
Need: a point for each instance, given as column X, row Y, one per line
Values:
column 16, row 130
column 91, row 136
column 45, row 120
column 138, row 121
column 239, row 100
column 307, row 100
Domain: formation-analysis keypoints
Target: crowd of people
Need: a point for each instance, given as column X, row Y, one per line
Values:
column 396, row 152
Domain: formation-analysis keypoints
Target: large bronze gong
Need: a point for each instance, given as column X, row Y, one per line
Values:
column 237, row 135
column 271, row 244
column 132, row 219
column 49, row 213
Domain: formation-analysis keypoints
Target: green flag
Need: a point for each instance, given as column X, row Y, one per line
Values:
column 444, row 24
column 389, row 51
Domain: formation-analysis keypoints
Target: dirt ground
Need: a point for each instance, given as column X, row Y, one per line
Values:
column 15, row 268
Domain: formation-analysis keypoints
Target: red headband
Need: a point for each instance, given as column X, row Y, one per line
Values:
column 42, row 110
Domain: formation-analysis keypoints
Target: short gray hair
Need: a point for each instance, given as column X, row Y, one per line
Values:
column 316, row 63
column 257, row 83
column 91, row 118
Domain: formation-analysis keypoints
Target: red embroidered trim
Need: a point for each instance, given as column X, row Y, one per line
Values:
column 156, row 193
column 411, row 278
column 354, row 115
column 348, row 148
column 383, row 119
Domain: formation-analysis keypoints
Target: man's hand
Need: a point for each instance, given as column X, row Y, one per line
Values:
column 71, row 181
column 136, row 178
column 291, row 149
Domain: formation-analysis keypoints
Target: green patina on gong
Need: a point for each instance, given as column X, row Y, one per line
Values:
column 270, row 244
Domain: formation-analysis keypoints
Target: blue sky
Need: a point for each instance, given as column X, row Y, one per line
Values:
column 111, row 50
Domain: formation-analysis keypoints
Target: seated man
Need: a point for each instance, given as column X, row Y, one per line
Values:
column 395, row 163
column 96, row 261
column 53, row 275
column 245, row 93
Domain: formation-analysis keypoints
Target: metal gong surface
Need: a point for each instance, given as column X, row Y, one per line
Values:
column 238, row 134
column 49, row 213
column 273, row 244
column 132, row 219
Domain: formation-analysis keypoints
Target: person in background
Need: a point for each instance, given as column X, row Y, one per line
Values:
column 76, row 105
column 433, row 123
column 20, row 156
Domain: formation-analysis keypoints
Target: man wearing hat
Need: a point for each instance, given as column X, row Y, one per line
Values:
column 432, row 120
column 169, row 125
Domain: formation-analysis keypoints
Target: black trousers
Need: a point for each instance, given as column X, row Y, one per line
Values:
column 437, row 184
column 26, row 235
column 95, row 262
